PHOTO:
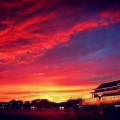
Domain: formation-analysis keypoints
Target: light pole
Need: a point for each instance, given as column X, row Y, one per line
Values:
column 100, row 98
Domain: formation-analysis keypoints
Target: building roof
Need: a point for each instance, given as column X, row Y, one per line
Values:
column 109, row 84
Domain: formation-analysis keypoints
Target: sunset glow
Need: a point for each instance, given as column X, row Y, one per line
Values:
column 57, row 49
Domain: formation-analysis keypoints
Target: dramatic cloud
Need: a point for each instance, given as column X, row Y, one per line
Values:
column 59, row 43
column 24, row 37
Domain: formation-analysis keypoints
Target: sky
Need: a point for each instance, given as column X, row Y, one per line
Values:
column 57, row 49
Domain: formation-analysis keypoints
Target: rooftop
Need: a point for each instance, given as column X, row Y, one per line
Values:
column 108, row 84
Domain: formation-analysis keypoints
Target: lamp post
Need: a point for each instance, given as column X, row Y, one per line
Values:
column 100, row 98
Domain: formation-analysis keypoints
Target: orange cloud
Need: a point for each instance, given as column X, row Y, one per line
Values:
column 50, row 93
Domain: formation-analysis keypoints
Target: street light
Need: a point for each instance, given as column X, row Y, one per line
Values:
column 100, row 97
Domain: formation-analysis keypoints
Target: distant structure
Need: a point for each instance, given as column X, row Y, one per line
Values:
column 107, row 89
column 105, row 94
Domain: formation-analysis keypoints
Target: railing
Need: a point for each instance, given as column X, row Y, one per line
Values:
column 107, row 89
column 103, row 100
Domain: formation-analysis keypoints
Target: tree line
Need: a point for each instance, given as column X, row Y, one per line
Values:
column 40, row 104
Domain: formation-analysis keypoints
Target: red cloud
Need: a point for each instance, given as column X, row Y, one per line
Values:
column 112, row 17
column 26, row 39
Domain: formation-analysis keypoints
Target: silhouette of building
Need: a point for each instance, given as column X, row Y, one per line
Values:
column 107, row 89
column 105, row 94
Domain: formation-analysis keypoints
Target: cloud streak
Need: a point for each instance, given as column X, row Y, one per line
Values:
column 33, row 37
column 58, row 43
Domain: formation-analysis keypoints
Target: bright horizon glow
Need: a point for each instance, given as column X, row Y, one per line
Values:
column 44, row 92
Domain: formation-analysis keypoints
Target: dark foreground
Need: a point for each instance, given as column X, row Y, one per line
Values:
column 60, row 115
